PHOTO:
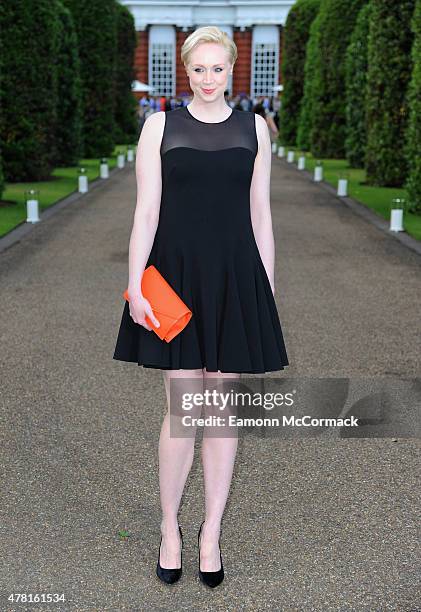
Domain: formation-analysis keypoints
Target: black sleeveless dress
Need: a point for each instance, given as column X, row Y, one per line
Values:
column 205, row 248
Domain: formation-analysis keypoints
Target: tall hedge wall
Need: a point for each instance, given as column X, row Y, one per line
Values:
column 389, row 72
column 413, row 144
column 29, row 89
column 69, row 134
column 127, row 125
column 356, row 82
column 305, row 121
column 96, row 28
column 336, row 23
column 296, row 33
column 1, row 98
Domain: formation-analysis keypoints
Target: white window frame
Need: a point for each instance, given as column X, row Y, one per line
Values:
column 268, row 37
column 161, row 35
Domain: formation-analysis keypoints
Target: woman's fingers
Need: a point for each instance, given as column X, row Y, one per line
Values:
column 140, row 311
column 152, row 317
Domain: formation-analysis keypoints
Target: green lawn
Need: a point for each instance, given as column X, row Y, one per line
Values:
column 65, row 182
column 376, row 198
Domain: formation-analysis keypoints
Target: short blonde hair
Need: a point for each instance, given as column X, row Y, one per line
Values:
column 208, row 34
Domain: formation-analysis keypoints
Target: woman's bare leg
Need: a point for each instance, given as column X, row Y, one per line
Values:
column 175, row 461
column 218, row 457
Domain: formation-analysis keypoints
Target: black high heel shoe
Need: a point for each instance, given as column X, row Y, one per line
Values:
column 211, row 579
column 170, row 575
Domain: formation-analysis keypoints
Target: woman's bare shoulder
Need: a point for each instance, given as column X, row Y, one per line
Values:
column 155, row 120
column 153, row 127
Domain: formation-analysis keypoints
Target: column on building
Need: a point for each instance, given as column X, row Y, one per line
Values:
column 241, row 76
column 141, row 56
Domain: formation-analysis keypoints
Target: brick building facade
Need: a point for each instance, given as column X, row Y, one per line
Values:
column 256, row 28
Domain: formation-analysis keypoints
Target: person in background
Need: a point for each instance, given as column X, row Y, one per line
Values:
column 276, row 108
column 260, row 109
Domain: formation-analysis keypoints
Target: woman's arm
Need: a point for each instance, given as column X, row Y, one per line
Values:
column 272, row 125
column 149, row 189
column 260, row 200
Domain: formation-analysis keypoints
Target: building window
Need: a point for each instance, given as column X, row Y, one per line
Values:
column 162, row 69
column 162, row 60
column 265, row 60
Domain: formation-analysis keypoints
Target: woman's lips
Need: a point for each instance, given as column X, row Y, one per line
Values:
column 208, row 91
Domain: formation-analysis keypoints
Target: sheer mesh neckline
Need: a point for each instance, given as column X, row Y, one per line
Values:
column 210, row 122
column 183, row 131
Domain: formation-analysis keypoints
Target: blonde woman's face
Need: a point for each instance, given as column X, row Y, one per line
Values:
column 209, row 70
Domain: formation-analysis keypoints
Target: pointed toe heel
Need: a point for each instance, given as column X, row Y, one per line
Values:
column 169, row 575
column 211, row 579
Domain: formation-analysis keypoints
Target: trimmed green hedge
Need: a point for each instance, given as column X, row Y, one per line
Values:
column 336, row 23
column 127, row 124
column 96, row 27
column 356, row 80
column 389, row 72
column 29, row 32
column 2, row 184
column 305, row 121
column 69, row 135
column 296, row 34
column 413, row 144
column 66, row 68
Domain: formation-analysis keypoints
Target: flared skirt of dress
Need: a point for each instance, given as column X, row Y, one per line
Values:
column 235, row 325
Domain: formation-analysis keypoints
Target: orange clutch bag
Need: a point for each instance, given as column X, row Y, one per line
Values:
column 167, row 306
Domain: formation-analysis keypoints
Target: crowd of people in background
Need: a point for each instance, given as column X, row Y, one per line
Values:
column 267, row 107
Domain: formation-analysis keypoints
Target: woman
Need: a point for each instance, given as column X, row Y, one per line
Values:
column 205, row 223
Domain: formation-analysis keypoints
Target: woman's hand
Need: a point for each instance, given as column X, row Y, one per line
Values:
column 140, row 307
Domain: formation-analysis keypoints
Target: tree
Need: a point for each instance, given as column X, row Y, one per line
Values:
column 69, row 132
column 305, row 122
column 96, row 28
column 296, row 34
column 336, row 23
column 29, row 89
column 413, row 136
column 355, row 81
column 127, row 126
column 389, row 72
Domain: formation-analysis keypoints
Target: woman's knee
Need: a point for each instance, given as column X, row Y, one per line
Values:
column 181, row 382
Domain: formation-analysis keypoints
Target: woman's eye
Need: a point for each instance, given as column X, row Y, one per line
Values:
column 199, row 69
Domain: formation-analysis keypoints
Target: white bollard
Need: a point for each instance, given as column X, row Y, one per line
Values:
column 281, row 152
column 396, row 220
column 32, row 211
column 290, row 157
column 301, row 162
column 83, row 183
column 342, row 187
column 104, row 170
column 318, row 173
column 130, row 156
column 120, row 160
